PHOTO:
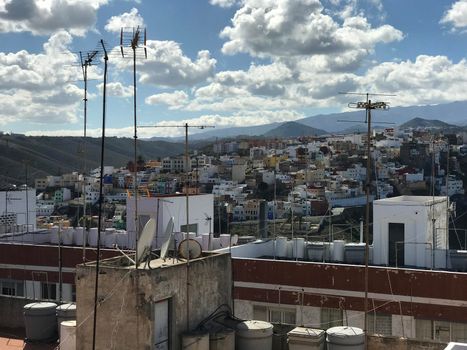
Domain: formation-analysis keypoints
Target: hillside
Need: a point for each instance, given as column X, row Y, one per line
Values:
column 426, row 123
column 57, row 155
column 294, row 129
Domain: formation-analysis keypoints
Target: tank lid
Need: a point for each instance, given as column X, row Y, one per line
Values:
column 68, row 306
column 306, row 332
column 254, row 326
column 68, row 323
column 43, row 308
column 345, row 335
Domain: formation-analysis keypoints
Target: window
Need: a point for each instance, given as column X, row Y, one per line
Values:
column 444, row 331
column 331, row 317
column 274, row 314
column 12, row 288
column 380, row 324
column 49, row 291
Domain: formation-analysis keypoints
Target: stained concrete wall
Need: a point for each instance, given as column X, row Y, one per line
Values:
column 11, row 311
column 395, row 343
column 127, row 296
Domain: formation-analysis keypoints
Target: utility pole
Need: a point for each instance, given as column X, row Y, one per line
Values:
column 368, row 106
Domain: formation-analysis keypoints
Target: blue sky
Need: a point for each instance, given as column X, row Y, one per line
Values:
column 224, row 62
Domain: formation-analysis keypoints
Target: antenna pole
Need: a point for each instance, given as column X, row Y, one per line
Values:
column 96, row 285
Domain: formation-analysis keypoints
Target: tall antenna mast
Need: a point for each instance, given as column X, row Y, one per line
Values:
column 132, row 38
column 367, row 106
column 86, row 61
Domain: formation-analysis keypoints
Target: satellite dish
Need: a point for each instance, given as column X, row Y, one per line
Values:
column 145, row 241
column 189, row 249
column 169, row 235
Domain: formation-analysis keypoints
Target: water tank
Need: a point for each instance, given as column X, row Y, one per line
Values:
column 195, row 341
column 345, row 338
column 216, row 243
column 40, row 321
column 92, row 238
column 65, row 312
column 254, row 335
column 121, row 239
column 225, row 240
column 355, row 253
column 315, row 251
column 109, row 238
column 68, row 335
column 458, row 259
column 298, row 248
column 205, row 241
column 289, row 249
column 80, row 236
column 302, row 338
column 338, row 247
column 281, row 247
column 67, row 235
column 54, row 234
column 222, row 340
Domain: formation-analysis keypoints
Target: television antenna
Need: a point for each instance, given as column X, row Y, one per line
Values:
column 368, row 106
column 209, row 219
column 169, row 237
column 134, row 39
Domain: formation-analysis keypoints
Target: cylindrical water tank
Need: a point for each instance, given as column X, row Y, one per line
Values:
column 281, row 247
column 199, row 239
column 345, row 338
column 338, row 247
column 254, row 335
column 54, row 234
column 65, row 312
column 355, row 253
column 191, row 235
column 315, row 251
column 302, row 338
column 298, row 248
column 67, row 235
column 195, row 341
column 222, row 340
column 40, row 321
column 80, row 236
column 68, row 335
column 216, row 243
column 121, row 239
column 205, row 241
column 224, row 239
column 92, row 238
column 110, row 238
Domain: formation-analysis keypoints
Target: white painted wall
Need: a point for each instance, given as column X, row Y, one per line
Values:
column 15, row 202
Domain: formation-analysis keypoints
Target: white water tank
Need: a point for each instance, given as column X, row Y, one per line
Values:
column 195, row 341
column 289, row 249
column 54, row 234
column 298, row 248
column 281, row 247
column 216, row 243
column 68, row 335
column 205, row 241
column 67, row 235
column 110, row 238
column 80, row 236
column 355, row 253
column 121, row 239
column 225, row 240
column 40, row 321
column 65, row 312
column 345, row 338
column 302, row 338
column 92, row 237
column 315, row 251
column 254, row 335
column 338, row 248
column 222, row 340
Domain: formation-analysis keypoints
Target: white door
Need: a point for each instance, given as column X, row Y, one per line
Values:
column 161, row 325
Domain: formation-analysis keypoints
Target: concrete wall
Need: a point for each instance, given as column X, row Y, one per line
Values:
column 11, row 311
column 394, row 343
column 125, row 315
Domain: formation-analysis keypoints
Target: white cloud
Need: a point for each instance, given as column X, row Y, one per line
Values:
column 116, row 89
column 456, row 15
column 167, row 65
column 37, row 87
column 223, row 3
column 125, row 20
column 45, row 17
column 282, row 28
column 175, row 100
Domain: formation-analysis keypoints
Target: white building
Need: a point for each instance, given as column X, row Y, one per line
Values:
column 18, row 210
column 410, row 231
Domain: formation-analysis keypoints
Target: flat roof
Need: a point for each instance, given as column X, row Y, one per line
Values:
column 411, row 200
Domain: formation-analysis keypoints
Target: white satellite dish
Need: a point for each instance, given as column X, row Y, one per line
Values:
column 169, row 236
column 189, row 249
column 145, row 241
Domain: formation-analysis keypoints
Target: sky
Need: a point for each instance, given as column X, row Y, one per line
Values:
column 222, row 63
